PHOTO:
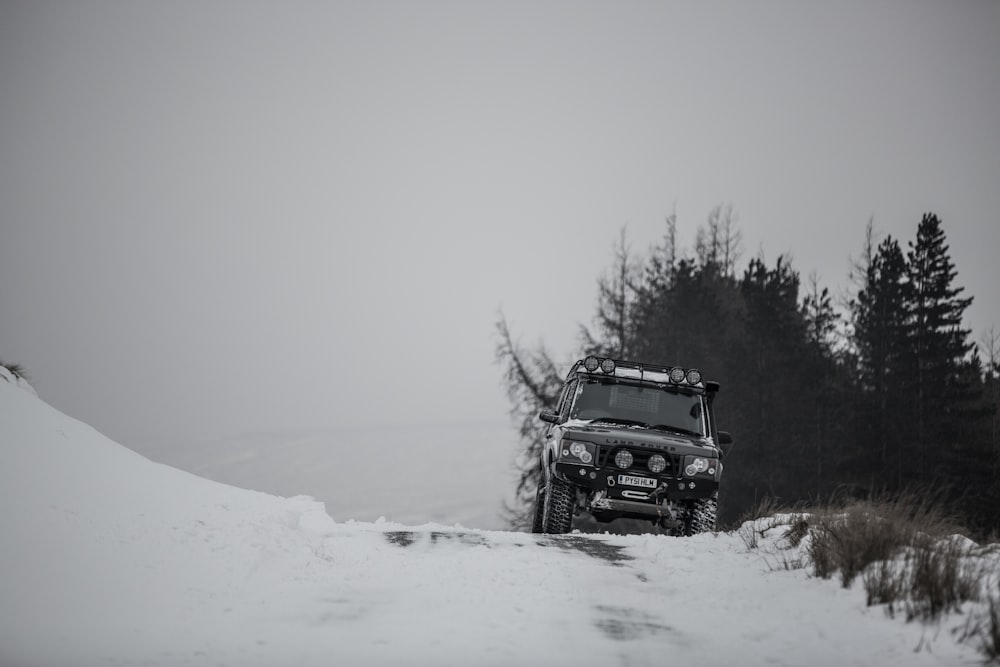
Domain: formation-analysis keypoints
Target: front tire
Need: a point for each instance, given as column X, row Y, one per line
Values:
column 700, row 516
column 557, row 513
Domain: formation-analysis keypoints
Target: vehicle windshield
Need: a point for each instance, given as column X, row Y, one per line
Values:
column 649, row 406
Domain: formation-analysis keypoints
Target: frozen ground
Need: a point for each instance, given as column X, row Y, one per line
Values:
column 111, row 559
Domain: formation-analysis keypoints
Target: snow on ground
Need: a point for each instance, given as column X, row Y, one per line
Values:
column 110, row 559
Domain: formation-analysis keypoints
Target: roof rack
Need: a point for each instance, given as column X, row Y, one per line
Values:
column 606, row 366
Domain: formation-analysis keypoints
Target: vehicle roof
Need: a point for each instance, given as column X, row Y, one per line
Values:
column 633, row 370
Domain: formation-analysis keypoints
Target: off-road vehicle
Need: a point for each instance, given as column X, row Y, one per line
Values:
column 631, row 440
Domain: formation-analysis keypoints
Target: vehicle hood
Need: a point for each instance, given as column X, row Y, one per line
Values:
column 609, row 435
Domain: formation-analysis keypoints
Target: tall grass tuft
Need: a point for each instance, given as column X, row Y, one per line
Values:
column 17, row 370
column 990, row 633
column 904, row 548
column 848, row 539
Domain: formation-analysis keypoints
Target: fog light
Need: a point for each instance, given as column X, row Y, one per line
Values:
column 591, row 364
column 583, row 472
column 623, row 459
column 657, row 463
column 593, row 475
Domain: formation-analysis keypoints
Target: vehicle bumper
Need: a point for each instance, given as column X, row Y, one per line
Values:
column 667, row 487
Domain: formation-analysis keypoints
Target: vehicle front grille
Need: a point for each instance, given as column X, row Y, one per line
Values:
column 640, row 460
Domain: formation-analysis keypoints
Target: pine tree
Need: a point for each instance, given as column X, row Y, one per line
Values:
column 615, row 305
column 881, row 330
column 533, row 383
column 774, row 331
column 940, row 346
column 829, row 406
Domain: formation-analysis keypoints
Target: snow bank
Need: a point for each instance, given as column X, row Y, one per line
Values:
column 110, row 559
column 107, row 554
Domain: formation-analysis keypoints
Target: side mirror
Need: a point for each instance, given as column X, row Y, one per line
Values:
column 725, row 438
column 549, row 416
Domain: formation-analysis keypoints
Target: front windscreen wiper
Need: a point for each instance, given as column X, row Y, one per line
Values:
column 677, row 429
column 619, row 420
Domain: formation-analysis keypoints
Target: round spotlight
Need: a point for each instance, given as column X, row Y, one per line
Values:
column 677, row 374
column 623, row 459
column 657, row 463
column 608, row 366
column 591, row 364
column 694, row 376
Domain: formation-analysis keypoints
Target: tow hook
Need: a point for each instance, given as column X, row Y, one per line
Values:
column 656, row 495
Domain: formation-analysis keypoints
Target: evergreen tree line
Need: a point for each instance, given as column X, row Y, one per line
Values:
column 882, row 394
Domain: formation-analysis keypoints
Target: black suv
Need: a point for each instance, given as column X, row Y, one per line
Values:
column 631, row 440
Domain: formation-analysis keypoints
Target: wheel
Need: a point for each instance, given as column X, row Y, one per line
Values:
column 699, row 517
column 557, row 515
column 536, row 520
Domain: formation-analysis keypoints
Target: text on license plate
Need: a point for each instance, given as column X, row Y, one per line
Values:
column 631, row 480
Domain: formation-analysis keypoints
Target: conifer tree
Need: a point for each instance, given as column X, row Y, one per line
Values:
column 940, row 346
column 881, row 330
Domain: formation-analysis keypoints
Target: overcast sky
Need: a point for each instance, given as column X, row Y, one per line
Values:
column 223, row 217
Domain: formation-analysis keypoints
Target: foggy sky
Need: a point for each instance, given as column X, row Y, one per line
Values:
column 226, row 217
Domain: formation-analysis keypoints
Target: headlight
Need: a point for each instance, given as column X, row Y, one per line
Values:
column 623, row 459
column 581, row 451
column 697, row 465
column 657, row 463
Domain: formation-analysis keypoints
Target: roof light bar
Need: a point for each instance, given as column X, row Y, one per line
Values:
column 608, row 366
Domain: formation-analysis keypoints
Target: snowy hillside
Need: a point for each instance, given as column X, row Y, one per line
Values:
column 111, row 559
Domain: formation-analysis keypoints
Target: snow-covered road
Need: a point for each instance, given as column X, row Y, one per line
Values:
column 110, row 559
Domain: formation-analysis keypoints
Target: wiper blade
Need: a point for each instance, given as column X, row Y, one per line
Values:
column 619, row 420
column 676, row 429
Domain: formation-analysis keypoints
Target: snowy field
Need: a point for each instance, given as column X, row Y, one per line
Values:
column 111, row 559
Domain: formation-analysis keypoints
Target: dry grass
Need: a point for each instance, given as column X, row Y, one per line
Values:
column 17, row 370
column 990, row 634
column 907, row 550
column 850, row 538
column 758, row 521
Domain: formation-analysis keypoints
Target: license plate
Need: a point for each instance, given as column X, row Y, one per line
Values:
column 631, row 480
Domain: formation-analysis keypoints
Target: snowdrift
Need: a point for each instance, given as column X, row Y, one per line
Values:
column 104, row 551
column 110, row 559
